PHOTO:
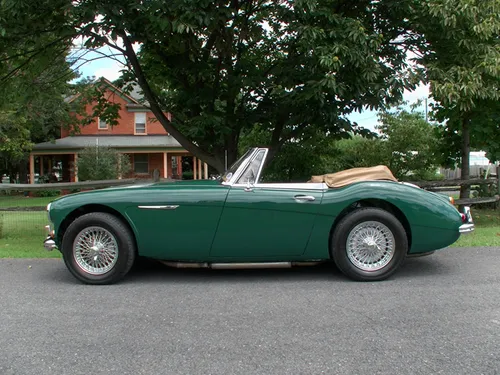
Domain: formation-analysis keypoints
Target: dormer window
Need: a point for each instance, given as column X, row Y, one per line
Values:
column 140, row 123
column 103, row 125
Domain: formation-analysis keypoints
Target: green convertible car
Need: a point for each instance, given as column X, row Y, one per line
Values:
column 362, row 219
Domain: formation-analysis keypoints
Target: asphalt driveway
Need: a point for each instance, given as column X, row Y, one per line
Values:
column 438, row 315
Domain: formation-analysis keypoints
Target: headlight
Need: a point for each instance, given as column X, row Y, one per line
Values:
column 48, row 211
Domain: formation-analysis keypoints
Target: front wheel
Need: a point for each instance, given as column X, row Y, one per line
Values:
column 98, row 248
column 369, row 244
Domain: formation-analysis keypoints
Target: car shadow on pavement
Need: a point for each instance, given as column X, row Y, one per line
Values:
column 431, row 265
column 153, row 271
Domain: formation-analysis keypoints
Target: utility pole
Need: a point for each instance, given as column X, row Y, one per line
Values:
column 426, row 115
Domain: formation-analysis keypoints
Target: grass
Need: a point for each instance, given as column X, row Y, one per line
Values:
column 22, row 233
column 487, row 231
column 22, row 201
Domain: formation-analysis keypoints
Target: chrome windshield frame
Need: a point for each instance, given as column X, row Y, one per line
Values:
column 236, row 175
column 281, row 186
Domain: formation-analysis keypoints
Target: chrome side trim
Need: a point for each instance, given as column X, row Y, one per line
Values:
column 167, row 207
column 289, row 186
column 249, row 265
column 229, row 266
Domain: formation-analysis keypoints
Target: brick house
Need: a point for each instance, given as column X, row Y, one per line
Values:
column 150, row 148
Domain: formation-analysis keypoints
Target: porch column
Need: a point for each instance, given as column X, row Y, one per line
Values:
column 120, row 166
column 41, row 166
column 179, row 166
column 165, row 169
column 32, row 168
column 75, row 166
column 194, row 168
column 205, row 165
column 199, row 169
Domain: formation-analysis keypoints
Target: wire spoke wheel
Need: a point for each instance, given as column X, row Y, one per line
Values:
column 95, row 250
column 370, row 246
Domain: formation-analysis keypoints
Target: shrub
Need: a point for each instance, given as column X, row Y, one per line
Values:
column 189, row 175
column 101, row 163
column 47, row 193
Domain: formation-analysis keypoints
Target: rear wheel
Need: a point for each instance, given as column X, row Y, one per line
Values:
column 369, row 244
column 98, row 248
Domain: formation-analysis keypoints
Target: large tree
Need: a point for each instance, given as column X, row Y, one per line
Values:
column 222, row 67
column 462, row 59
column 34, row 72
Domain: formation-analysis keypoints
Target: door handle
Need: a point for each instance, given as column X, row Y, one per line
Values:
column 304, row 198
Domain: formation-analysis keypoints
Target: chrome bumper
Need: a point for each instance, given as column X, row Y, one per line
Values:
column 468, row 225
column 466, row 228
column 49, row 244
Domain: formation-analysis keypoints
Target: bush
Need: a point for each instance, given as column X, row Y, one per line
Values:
column 187, row 175
column 47, row 193
column 485, row 191
column 101, row 163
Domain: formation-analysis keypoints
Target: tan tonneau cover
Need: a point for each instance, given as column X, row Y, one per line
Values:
column 349, row 176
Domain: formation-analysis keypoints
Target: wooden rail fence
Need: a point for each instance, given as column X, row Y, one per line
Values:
column 457, row 184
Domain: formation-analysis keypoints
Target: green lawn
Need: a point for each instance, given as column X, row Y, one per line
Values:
column 22, row 233
column 487, row 232
column 21, row 201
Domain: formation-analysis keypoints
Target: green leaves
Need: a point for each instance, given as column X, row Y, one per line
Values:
column 463, row 54
column 462, row 59
column 291, row 68
column 101, row 163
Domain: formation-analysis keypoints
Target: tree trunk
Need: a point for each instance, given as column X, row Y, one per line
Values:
column 158, row 112
column 465, row 155
column 23, row 171
column 232, row 149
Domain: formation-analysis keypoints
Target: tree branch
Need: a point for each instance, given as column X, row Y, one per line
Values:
column 157, row 111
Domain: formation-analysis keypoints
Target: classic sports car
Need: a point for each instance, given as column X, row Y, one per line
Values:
column 362, row 219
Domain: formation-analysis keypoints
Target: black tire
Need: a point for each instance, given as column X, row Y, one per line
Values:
column 345, row 260
column 118, row 235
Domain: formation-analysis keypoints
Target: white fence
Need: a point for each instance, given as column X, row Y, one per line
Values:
column 475, row 171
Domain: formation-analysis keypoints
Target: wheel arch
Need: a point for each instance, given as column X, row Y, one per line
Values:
column 89, row 208
column 376, row 203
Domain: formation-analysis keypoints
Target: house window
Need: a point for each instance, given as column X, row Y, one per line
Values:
column 102, row 124
column 141, row 163
column 140, row 123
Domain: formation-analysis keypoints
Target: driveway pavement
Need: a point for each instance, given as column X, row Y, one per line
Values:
column 438, row 315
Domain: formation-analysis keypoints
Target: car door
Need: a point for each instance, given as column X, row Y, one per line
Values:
column 266, row 221
column 177, row 221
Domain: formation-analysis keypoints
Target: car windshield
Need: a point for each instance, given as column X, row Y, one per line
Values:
column 229, row 173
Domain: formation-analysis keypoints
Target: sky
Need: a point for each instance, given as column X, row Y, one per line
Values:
column 110, row 69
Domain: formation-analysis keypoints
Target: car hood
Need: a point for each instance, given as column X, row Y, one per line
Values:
column 166, row 184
